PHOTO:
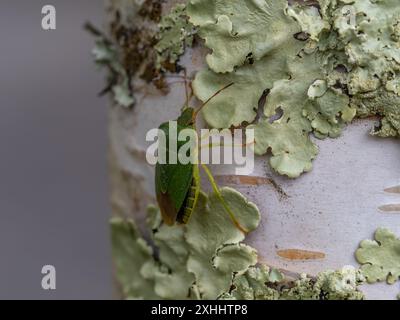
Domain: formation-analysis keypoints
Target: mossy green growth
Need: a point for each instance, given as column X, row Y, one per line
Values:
column 174, row 36
column 207, row 259
column 318, row 68
column 380, row 258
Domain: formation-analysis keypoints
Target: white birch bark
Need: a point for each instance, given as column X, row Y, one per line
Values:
column 329, row 210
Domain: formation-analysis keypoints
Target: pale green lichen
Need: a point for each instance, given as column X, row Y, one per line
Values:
column 380, row 258
column 170, row 266
column 339, row 60
column 240, row 31
column 207, row 260
column 328, row 285
column 106, row 56
column 233, row 107
column 130, row 253
column 368, row 33
column 174, row 36
column 384, row 103
column 235, row 258
column 255, row 284
column 199, row 259
column 209, row 231
column 318, row 67
column 138, row 47
column 309, row 19
column 288, row 136
column 261, row 283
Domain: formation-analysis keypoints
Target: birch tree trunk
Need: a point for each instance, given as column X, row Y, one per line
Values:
column 327, row 211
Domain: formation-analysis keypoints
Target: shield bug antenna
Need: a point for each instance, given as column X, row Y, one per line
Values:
column 209, row 99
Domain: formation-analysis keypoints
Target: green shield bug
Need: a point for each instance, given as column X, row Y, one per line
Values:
column 178, row 184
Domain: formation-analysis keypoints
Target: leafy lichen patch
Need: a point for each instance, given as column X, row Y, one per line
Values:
column 170, row 266
column 211, row 236
column 198, row 259
column 328, row 285
column 380, row 258
column 142, row 44
column 207, row 259
column 369, row 35
column 240, row 32
column 174, row 36
column 106, row 56
column 261, row 283
column 323, row 66
column 130, row 253
column 253, row 285
column 338, row 59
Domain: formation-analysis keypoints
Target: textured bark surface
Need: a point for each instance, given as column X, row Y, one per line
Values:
column 310, row 224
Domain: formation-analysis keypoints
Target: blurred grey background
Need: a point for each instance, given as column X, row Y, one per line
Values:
column 53, row 166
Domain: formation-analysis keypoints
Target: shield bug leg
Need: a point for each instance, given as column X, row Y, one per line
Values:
column 222, row 200
column 187, row 85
